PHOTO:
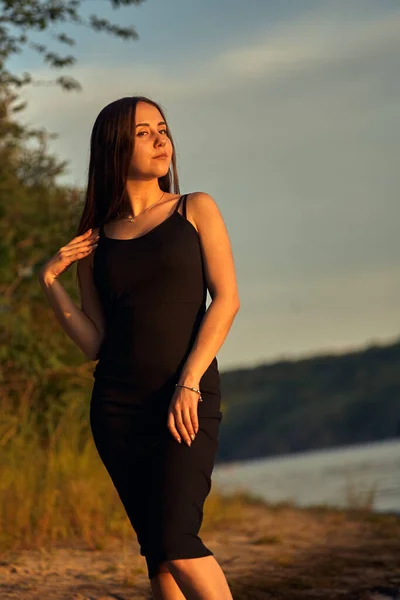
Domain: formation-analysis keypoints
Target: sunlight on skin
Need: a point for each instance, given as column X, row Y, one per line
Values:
column 164, row 586
column 200, row 578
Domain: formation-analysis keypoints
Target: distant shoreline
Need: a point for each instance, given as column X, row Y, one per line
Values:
column 362, row 475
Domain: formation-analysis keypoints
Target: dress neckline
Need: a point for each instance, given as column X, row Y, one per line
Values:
column 182, row 197
column 138, row 237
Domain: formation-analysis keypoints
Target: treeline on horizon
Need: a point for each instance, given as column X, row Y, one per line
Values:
column 314, row 403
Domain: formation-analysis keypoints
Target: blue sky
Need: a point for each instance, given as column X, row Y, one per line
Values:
column 288, row 115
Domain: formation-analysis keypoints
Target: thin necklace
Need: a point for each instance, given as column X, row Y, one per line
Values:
column 131, row 217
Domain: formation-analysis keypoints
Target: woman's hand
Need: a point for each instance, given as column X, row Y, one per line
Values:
column 77, row 248
column 182, row 415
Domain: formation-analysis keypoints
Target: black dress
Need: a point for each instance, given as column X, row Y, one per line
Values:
column 153, row 293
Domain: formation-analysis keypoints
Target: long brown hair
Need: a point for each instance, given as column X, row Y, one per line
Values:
column 111, row 148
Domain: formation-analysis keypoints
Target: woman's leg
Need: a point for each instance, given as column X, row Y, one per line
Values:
column 164, row 586
column 200, row 578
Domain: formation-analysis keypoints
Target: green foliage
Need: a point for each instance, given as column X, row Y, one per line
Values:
column 38, row 15
column 38, row 362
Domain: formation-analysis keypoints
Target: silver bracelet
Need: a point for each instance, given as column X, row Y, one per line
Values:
column 191, row 388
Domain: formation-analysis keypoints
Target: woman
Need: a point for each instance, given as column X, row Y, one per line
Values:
column 146, row 258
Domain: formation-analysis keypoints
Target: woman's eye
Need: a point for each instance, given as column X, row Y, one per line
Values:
column 141, row 132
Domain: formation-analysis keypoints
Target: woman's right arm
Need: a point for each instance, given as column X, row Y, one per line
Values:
column 85, row 325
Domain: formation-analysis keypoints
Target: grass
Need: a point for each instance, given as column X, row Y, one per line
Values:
column 62, row 493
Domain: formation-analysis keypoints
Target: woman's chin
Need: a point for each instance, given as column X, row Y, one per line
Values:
column 162, row 170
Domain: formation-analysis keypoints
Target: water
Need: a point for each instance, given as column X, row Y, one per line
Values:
column 339, row 477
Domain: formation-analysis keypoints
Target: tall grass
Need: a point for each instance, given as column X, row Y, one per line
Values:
column 60, row 491
column 56, row 491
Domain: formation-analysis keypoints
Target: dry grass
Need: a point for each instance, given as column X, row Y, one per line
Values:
column 64, row 533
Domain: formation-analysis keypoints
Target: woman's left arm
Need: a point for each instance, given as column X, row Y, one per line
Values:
column 221, row 282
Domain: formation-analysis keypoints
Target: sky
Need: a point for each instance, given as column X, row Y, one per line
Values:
column 288, row 114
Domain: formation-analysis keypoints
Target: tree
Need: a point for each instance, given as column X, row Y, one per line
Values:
column 37, row 15
column 39, row 364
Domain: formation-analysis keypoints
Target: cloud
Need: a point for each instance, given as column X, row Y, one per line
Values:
column 308, row 42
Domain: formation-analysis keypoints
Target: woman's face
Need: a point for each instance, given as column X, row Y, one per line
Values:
column 151, row 139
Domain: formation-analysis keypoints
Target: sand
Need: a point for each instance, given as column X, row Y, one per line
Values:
column 269, row 552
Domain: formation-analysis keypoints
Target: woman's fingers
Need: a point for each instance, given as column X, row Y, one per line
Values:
column 187, row 426
column 181, row 427
column 183, row 421
column 80, row 249
column 172, row 428
column 81, row 243
column 82, row 238
column 183, row 424
column 77, row 244
column 195, row 419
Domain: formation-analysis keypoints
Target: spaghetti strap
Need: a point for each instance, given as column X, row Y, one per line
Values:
column 182, row 198
column 184, row 205
column 101, row 230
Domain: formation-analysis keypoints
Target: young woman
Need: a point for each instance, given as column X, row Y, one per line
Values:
column 146, row 257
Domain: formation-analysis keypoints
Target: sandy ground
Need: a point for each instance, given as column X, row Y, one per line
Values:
column 271, row 552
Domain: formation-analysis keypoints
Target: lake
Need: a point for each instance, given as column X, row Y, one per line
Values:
column 334, row 476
